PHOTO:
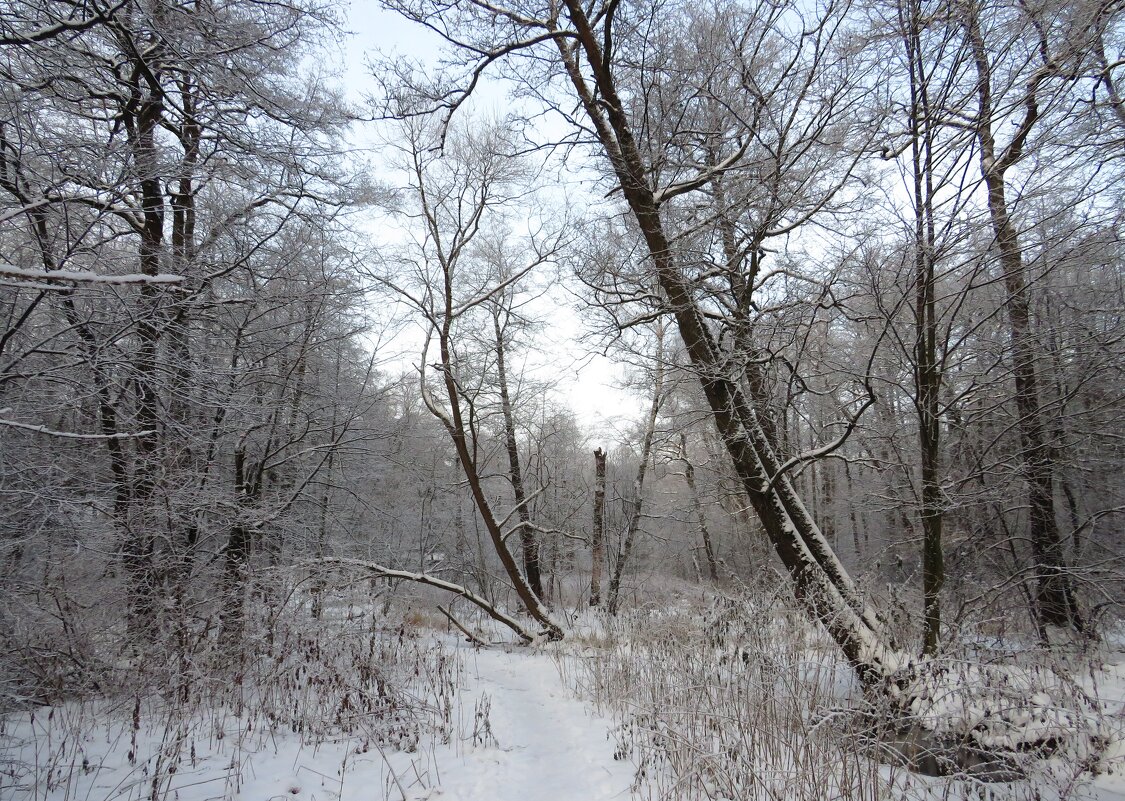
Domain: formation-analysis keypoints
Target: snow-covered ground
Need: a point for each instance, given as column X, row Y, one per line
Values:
column 503, row 725
column 523, row 737
column 548, row 745
column 518, row 735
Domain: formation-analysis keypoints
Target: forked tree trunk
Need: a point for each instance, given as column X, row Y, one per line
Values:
column 820, row 581
column 1055, row 598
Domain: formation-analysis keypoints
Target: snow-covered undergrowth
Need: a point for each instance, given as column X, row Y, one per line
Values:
column 741, row 699
column 704, row 696
column 284, row 713
column 995, row 721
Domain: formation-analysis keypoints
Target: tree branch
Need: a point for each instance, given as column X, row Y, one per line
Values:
column 430, row 581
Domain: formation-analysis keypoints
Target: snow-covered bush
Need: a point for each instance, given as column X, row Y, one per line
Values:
column 996, row 722
column 740, row 698
column 342, row 685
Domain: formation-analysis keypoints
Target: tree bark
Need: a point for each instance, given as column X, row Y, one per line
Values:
column 927, row 369
column 820, row 581
column 634, row 524
column 456, row 427
column 528, row 541
column 236, row 559
column 697, row 505
column 142, row 116
column 597, row 547
column 1055, row 597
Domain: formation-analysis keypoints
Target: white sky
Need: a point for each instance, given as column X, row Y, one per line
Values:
column 584, row 381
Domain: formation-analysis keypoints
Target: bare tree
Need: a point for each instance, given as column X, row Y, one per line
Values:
column 169, row 208
column 503, row 320
column 455, row 194
column 636, row 506
column 658, row 164
column 697, row 507
column 1055, row 598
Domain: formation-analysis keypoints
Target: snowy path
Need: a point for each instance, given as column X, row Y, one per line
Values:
column 551, row 747
column 547, row 746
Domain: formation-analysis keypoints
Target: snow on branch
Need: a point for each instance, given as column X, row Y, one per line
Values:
column 431, row 581
column 26, row 278
column 70, row 435
column 827, row 449
column 704, row 177
column 19, row 211
column 62, row 26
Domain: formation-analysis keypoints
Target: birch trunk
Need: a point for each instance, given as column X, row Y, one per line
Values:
column 597, row 547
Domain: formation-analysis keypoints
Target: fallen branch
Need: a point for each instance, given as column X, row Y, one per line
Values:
column 431, row 581
column 474, row 639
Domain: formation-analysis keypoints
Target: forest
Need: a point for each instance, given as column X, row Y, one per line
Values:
column 294, row 499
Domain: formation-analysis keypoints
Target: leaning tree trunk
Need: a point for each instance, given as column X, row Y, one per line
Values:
column 820, row 581
column 457, row 429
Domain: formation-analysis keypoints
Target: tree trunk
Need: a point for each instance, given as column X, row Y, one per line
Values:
column 927, row 369
column 528, row 540
column 141, row 124
column 642, row 469
column 236, row 559
column 697, row 505
column 597, row 547
column 820, row 581
column 458, row 433
column 1055, row 598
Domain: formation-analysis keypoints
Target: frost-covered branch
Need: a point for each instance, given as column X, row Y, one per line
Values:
column 71, row 435
column 551, row 531
column 504, row 520
column 432, row 581
column 74, row 26
column 80, row 277
column 704, row 177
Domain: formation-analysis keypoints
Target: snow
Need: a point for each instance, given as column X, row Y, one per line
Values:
column 86, row 277
column 69, row 434
column 503, row 725
column 519, row 735
column 551, row 747
column 1008, row 708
